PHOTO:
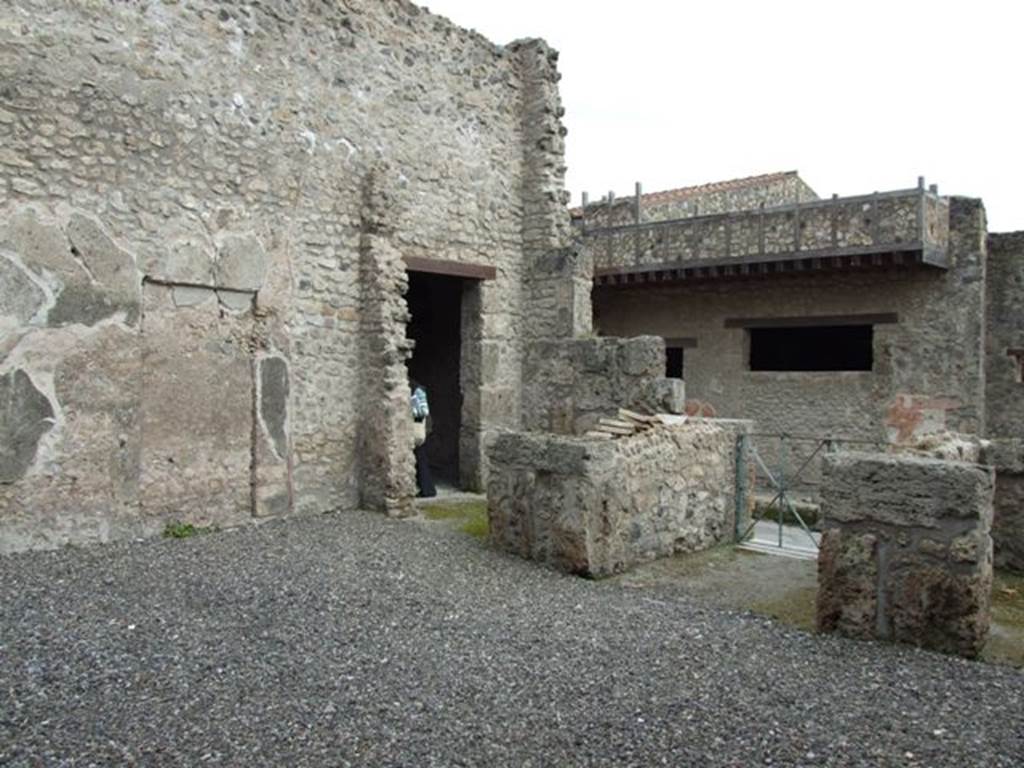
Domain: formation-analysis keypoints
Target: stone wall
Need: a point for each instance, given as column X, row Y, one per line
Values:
column 204, row 211
column 570, row 383
column 1007, row 457
column 1004, row 302
column 906, row 553
column 927, row 373
column 596, row 507
column 770, row 190
column 857, row 224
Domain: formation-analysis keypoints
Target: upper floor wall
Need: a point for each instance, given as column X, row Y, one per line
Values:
column 903, row 226
column 767, row 190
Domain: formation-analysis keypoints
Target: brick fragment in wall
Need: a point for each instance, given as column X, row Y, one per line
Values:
column 906, row 554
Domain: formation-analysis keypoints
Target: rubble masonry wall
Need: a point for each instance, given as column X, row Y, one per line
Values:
column 596, row 507
column 906, row 553
column 204, row 210
column 1004, row 392
column 928, row 367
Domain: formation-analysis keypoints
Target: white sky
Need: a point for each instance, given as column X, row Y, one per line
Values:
column 858, row 97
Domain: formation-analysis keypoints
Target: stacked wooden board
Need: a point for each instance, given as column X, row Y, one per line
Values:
column 626, row 423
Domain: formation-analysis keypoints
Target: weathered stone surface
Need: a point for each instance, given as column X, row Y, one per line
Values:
column 848, row 584
column 41, row 245
column 666, row 396
column 241, row 263
column 906, row 491
column 111, row 267
column 928, row 372
column 86, row 304
column 20, row 297
column 26, row 414
column 269, row 208
column 274, row 401
column 570, row 383
column 940, row 609
column 906, row 554
column 187, row 260
column 1008, row 523
column 598, row 507
column 190, row 296
column 196, row 412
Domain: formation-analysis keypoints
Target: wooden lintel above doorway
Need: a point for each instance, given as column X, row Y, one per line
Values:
column 450, row 268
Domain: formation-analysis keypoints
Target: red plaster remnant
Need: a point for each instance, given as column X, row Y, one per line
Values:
column 700, row 408
column 910, row 416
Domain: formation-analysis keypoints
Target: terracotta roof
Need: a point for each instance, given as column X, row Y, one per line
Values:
column 682, row 193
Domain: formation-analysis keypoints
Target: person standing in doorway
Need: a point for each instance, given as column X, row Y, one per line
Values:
column 421, row 428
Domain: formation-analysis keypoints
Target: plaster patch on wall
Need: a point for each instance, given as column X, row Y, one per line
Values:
column 911, row 416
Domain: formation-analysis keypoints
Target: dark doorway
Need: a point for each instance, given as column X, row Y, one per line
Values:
column 435, row 303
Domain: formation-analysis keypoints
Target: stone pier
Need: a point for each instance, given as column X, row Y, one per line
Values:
column 907, row 553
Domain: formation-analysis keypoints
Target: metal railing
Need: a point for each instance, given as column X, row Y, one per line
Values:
column 753, row 464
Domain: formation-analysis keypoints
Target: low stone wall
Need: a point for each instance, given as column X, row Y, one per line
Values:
column 596, row 507
column 570, row 383
column 906, row 554
column 1007, row 456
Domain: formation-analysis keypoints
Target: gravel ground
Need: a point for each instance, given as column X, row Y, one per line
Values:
column 351, row 639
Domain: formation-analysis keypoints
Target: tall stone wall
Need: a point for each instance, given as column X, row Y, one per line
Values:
column 906, row 553
column 595, row 507
column 927, row 374
column 1004, row 303
column 570, row 383
column 204, row 210
column 750, row 194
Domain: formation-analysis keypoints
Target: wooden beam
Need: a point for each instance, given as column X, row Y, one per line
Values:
column 448, row 268
column 885, row 318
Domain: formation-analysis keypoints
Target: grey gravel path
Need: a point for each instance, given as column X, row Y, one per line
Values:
column 351, row 639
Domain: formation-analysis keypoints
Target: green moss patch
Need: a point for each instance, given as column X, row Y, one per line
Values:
column 469, row 516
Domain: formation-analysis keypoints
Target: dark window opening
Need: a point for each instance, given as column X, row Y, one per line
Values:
column 674, row 362
column 815, row 348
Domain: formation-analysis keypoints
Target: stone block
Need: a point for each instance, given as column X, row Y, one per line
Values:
column 596, row 507
column 241, row 263
column 906, row 554
column 905, row 491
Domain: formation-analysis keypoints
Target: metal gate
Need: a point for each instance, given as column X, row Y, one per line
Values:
column 780, row 465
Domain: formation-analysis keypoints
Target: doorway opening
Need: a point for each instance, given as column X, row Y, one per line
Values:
column 435, row 306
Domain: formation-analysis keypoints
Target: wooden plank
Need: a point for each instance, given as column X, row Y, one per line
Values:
column 884, row 318
column 450, row 268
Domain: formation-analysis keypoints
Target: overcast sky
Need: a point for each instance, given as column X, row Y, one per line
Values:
column 859, row 97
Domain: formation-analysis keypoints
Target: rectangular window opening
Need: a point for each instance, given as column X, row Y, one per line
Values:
column 673, row 362
column 812, row 348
